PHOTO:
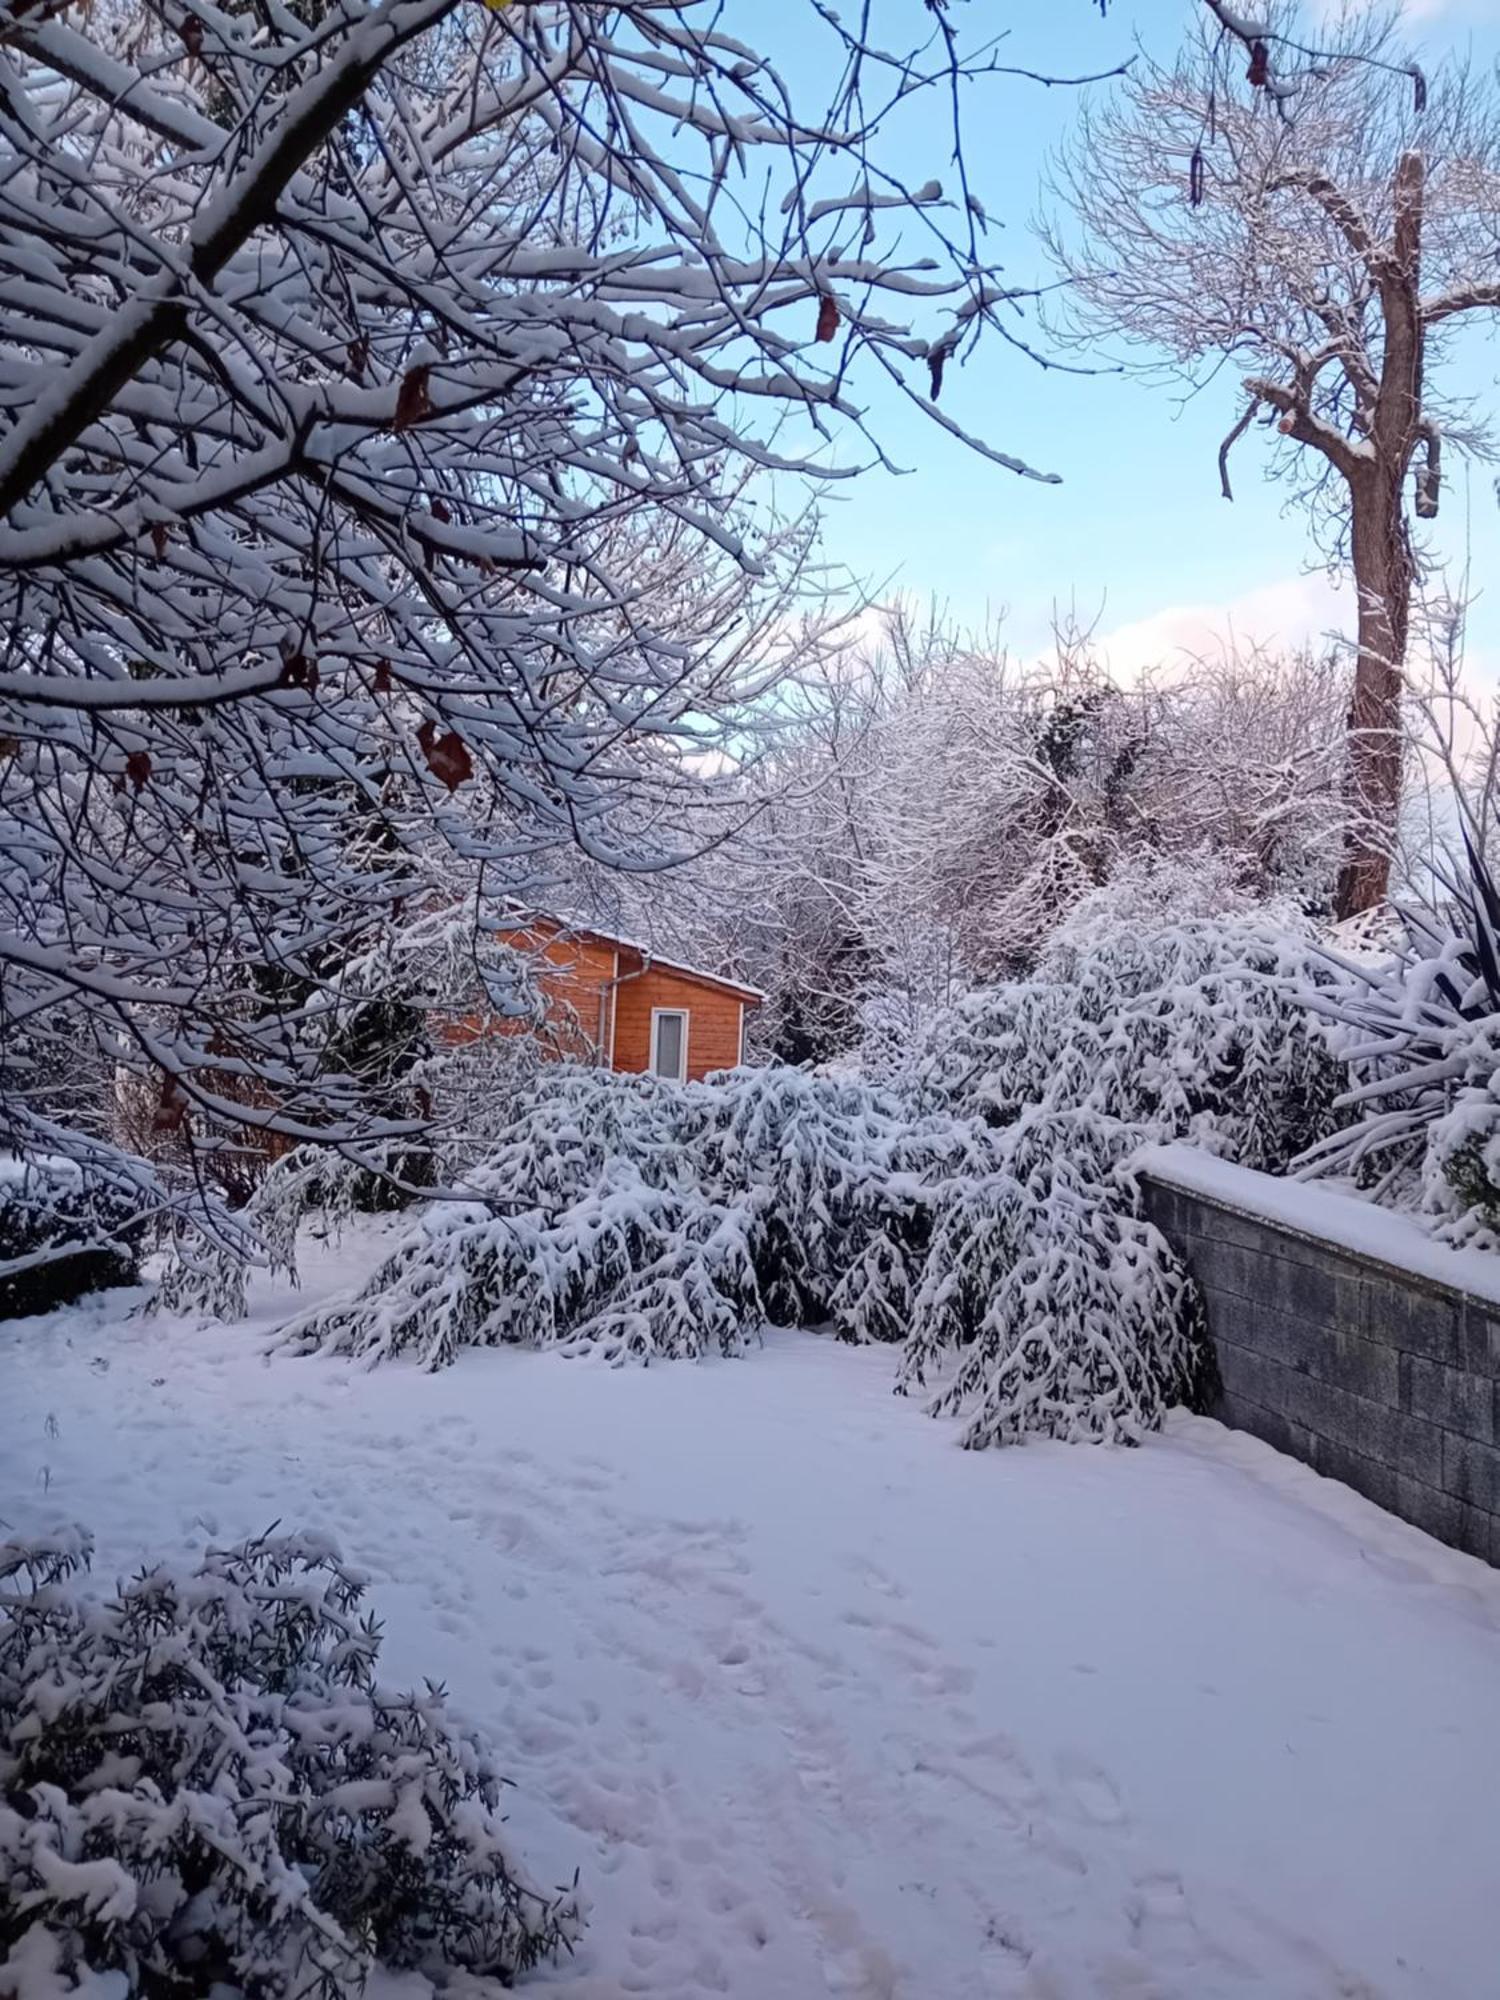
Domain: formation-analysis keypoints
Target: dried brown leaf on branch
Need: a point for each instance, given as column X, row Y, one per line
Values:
column 171, row 1107
column 447, row 755
column 413, row 402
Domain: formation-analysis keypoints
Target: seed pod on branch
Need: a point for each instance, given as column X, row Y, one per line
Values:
column 298, row 670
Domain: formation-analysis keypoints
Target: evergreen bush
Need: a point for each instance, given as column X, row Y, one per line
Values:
column 202, row 1785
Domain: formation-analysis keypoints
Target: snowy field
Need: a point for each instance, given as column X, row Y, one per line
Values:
column 818, row 1703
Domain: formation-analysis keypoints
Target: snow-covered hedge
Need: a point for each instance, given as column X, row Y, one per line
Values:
column 982, row 1216
column 62, row 1234
column 651, row 1219
column 203, row 1787
column 1199, row 1030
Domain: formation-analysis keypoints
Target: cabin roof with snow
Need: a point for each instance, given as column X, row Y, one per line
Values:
column 544, row 925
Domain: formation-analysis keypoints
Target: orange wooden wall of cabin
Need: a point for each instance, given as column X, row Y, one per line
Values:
column 580, row 970
column 713, row 1021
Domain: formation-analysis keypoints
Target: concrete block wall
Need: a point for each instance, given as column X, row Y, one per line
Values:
column 1385, row 1378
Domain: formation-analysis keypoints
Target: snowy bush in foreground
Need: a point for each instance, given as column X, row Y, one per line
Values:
column 201, row 1785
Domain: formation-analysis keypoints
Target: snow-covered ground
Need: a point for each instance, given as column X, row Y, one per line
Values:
column 818, row 1703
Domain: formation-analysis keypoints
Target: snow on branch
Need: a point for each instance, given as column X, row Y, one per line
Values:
column 381, row 399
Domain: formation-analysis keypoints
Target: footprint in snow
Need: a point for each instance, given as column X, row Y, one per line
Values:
column 1092, row 1790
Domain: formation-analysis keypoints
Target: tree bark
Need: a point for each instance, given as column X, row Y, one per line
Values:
column 1384, row 565
column 1383, row 577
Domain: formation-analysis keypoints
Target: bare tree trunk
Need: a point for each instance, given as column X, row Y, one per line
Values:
column 1383, row 575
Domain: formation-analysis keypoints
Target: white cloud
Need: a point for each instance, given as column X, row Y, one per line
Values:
column 1410, row 10
column 1297, row 611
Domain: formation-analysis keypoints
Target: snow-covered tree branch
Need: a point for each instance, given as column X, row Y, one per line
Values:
column 381, row 394
column 1324, row 231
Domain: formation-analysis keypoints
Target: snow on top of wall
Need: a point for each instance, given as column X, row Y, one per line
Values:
column 1325, row 1216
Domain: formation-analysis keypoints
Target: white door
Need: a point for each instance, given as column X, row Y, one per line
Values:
column 669, row 1033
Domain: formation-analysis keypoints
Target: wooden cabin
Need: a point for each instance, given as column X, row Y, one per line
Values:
column 615, row 1002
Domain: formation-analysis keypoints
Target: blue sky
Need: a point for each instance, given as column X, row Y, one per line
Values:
column 1137, row 537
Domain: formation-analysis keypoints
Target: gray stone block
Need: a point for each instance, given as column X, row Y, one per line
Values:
column 1255, row 1377
column 1471, row 1472
column 1223, row 1225
column 1224, row 1267
column 1328, row 1292
column 1389, row 1386
column 1410, row 1444
column 1370, row 1476
column 1452, row 1397
column 1272, row 1330
column 1413, row 1319
column 1270, row 1426
column 1444, row 1517
column 1323, row 1409
column 1361, row 1367
column 1247, row 1232
column 1481, row 1339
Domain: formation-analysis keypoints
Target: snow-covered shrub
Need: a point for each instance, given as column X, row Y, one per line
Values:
column 1048, row 1305
column 981, row 1215
column 1199, row 1030
column 1149, row 893
column 640, row 1271
column 810, row 1156
column 203, row 1786
column 1419, row 1029
column 655, row 1220
column 1046, row 1302
column 62, row 1234
column 201, row 1274
column 649, row 1218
